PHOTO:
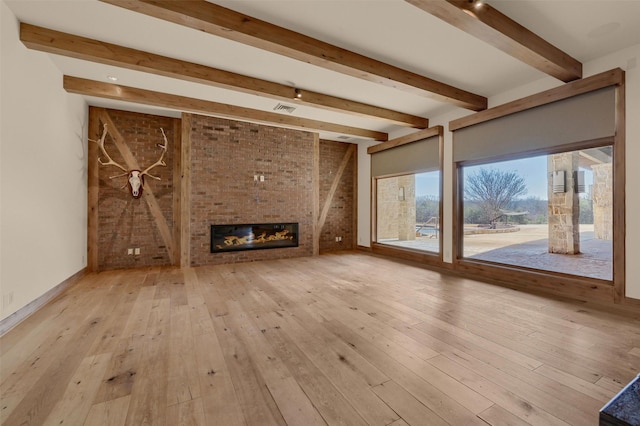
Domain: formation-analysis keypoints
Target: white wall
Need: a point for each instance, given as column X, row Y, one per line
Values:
column 628, row 60
column 43, row 188
column 364, row 194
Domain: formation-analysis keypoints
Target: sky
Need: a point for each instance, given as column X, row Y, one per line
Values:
column 532, row 169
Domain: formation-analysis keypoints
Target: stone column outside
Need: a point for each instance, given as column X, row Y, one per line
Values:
column 387, row 209
column 563, row 208
column 407, row 208
column 602, row 196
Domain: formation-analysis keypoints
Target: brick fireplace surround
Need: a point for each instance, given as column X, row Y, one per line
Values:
column 224, row 157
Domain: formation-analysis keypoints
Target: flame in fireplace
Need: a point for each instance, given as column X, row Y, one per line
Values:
column 233, row 240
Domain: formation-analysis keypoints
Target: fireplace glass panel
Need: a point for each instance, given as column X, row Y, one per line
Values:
column 253, row 236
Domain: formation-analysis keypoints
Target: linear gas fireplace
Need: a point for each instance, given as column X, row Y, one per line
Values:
column 253, row 236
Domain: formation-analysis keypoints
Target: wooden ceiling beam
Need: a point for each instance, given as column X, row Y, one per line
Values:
column 222, row 22
column 491, row 26
column 59, row 43
column 118, row 92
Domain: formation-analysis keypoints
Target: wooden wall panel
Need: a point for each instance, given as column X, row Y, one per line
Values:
column 185, row 192
column 94, row 132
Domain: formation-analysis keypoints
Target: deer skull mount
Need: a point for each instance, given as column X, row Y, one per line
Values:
column 135, row 178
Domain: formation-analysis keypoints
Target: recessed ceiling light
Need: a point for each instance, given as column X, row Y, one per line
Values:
column 112, row 78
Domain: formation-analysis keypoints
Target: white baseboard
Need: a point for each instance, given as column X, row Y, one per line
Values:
column 25, row 312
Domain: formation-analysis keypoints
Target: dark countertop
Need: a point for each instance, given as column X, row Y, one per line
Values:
column 624, row 408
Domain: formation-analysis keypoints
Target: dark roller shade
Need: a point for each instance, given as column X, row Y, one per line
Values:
column 418, row 156
column 580, row 118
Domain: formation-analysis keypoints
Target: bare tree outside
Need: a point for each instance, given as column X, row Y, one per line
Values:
column 493, row 190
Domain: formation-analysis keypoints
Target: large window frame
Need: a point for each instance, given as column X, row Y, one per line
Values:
column 422, row 256
column 559, row 283
column 598, row 143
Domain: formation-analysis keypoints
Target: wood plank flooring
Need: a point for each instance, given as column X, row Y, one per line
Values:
column 340, row 339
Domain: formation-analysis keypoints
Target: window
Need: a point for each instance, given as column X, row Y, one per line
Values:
column 406, row 176
column 580, row 119
column 546, row 212
column 408, row 211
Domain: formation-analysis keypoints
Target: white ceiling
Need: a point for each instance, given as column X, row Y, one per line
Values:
column 391, row 31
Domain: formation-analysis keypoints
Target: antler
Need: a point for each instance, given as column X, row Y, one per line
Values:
column 110, row 162
column 160, row 162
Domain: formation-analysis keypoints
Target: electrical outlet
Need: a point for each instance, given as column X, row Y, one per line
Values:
column 129, row 251
column 337, row 239
column 136, row 251
column 261, row 178
column 255, row 178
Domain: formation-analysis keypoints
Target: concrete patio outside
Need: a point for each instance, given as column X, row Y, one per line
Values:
column 529, row 248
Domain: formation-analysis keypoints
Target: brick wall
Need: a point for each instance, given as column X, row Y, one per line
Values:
column 125, row 222
column 339, row 221
column 225, row 156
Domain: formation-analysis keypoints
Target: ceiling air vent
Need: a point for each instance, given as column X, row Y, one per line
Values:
column 286, row 108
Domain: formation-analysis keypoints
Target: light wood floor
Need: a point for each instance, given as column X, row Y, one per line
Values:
column 347, row 339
